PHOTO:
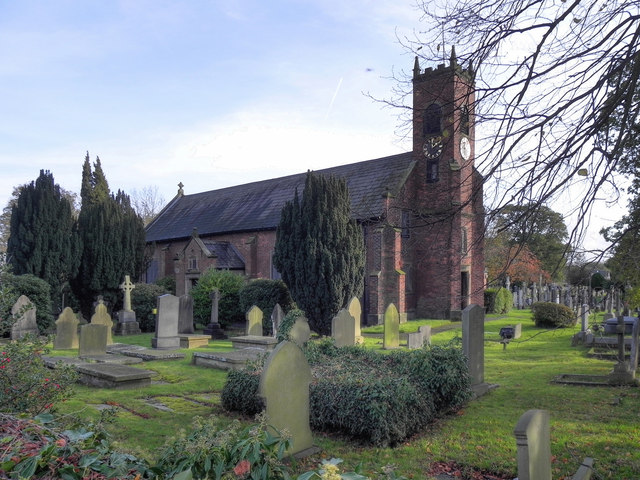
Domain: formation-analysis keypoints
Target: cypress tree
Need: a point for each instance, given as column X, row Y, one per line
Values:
column 113, row 239
column 43, row 238
column 320, row 250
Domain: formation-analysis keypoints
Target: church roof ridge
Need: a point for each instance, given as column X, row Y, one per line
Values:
column 256, row 205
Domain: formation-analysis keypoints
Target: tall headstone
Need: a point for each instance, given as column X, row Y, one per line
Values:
column 101, row 317
column 633, row 357
column 185, row 315
column 93, row 340
column 355, row 309
column 391, row 336
column 533, row 442
column 343, row 329
column 127, row 324
column 277, row 315
column 254, row 321
column 167, row 323
column 214, row 329
column 24, row 311
column 66, row 330
column 284, row 386
column 584, row 317
column 473, row 345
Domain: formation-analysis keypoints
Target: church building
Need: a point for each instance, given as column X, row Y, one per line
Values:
column 421, row 214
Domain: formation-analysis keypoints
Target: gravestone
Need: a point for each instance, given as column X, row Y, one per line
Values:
column 584, row 318
column 167, row 323
column 343, row 329
column 284, row 386
column 391, row 336
column 277, row 315
column 25, row 313
column 127, row 324
column 102, row 317
column 517, row 331
column 254, row 321
column 425, row 330
column 93, row 340
column 534, row 446
column 66, row 330
column 355, row 309
column 214, row 329
column 633, row 357
column 185, row 315
column 473, row 346
column 415, row 340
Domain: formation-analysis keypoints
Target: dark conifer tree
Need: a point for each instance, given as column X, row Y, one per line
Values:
column 320, row 250
column 43, row 238
column 113, row 239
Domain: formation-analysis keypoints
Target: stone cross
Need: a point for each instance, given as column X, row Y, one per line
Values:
column 126, row 287
column 215, row 300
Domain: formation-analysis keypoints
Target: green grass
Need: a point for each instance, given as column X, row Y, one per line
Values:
column 600, row 422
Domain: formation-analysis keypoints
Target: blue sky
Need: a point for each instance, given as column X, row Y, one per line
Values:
column 210, row 93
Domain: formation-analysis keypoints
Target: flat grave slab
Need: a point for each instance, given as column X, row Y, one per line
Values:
column 53, row 362
column 254, row 341
column 234, row 360
column 194, row 341
column 151, row 354
column 107, row 375
column 112, row 358
column 123, row 347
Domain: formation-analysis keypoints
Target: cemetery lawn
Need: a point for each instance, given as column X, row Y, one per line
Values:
column 598, row 422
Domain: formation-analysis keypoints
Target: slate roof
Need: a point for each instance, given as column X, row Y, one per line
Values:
column 256, row 206
column 228, row 256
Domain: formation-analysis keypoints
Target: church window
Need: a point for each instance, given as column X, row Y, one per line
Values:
column 406, row 224
column 464, row 120
column 464, row 246
column 432, row 124
column 193, row 263
column 432, row 171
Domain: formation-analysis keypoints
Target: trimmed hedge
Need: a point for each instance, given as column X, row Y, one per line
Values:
column 265, row 294
column 553, row 315
column 369, row 396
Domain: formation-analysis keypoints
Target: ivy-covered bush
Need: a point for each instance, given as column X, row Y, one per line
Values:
column 38, row 291
column 265, row 294
column 229, row 285
column 553, row 315
column 26, row 384
column 143, row 301
column 287, row 322
column 370, row 396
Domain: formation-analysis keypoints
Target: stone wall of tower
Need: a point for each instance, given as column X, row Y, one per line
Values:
column 445, row 212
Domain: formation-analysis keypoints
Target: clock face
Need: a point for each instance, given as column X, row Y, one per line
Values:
column 465, row 148
column 432, row 147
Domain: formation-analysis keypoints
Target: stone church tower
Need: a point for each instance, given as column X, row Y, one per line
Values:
column 447, row 221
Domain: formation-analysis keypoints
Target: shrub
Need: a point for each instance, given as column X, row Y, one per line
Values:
column 26, row 384
column 367, row 395
column 209, row 452
column 265, row 294
column 503, row 301
column 143, row 301
column 553, row 315
column 229, row 284
column 38, row 291
column 490, row 300
column 168, row 283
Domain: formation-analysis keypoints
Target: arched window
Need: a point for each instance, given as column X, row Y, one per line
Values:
column 432, row 120
column 432, row 171
column 464, row 120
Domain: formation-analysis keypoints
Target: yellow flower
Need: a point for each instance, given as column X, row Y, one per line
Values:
column 331, row 472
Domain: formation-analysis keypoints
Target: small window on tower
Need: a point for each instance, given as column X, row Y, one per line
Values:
column 464, row 246
column 432, row 171
column 432, row 120
column 464, row 120
column 406, row 224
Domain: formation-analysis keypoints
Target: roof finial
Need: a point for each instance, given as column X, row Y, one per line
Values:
column 416, row 67
column 180, row 190
column 453, row 60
